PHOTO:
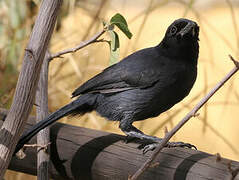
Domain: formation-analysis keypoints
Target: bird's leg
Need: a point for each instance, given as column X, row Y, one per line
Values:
column 133, row 132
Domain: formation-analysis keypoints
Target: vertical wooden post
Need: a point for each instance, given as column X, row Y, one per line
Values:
column 27, row 81
column 43, row 159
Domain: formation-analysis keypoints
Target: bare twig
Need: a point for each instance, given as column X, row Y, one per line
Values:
column 218, row 157
column 234, row 61
column 27, row 81
column 80, row 46
column 43, row 137
column 37, row 145
column 191, row 114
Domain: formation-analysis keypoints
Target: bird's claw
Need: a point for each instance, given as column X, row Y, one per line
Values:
column 151, row 147
column 180, row 144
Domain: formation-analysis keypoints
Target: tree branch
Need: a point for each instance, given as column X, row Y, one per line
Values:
column 192, row 113
column 27, row 82
column 80, row 46
column 43, row 159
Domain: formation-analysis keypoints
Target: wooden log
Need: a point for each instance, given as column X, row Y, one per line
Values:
column 27, row 81
column 81, row 153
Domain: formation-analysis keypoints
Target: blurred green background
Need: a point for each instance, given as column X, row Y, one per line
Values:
column 215, row 130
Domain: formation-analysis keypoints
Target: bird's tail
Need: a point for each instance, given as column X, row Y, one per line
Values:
column 79, row 106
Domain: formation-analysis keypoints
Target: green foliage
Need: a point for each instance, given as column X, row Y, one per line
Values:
column 119, row 21
column 114, row 47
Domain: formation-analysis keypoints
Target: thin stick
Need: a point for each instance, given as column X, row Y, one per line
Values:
column 192, row 113
column 27, row 81
column 80, row 46
column 43, row 137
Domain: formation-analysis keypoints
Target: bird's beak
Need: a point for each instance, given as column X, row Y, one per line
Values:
column 189, row 28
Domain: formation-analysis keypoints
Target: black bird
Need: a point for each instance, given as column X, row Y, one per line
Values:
column 142, row 85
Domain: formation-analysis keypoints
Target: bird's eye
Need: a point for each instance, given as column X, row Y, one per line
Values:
column 173, row 30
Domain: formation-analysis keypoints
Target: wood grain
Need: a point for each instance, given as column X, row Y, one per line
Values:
column 81, row 153
column 27, row 81
column 43, row 137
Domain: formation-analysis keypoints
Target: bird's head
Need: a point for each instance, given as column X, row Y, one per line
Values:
column 183, row 30
column 182, row 37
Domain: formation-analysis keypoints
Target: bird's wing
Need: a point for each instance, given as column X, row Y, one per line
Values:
column 139, row 70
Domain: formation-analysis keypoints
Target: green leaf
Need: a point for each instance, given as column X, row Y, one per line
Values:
column 121, row 23
column 114, row 47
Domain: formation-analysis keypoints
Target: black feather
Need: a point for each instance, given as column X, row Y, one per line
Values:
column 142, row 85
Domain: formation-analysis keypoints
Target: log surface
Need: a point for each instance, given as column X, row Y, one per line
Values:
column 81, row 153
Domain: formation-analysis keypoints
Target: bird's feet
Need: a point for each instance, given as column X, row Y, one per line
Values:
column 150, row 147
column 129, row 139
column 150, row 142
